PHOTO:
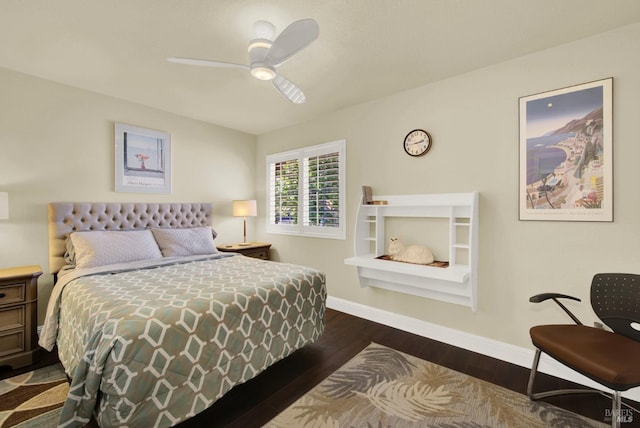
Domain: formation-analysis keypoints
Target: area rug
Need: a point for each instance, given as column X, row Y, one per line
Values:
column 33, row 399
column 382, row 387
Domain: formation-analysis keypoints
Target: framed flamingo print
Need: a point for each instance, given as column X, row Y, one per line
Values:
column 142, row 160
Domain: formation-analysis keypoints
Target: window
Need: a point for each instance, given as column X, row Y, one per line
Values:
column 306, row 191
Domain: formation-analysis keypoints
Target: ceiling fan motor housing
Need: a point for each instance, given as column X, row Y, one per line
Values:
column 258, row 49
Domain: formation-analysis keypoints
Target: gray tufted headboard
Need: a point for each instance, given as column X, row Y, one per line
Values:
column 67, row 217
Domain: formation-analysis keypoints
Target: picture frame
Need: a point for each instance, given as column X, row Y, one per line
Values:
column 566, row 153
column 142, row 160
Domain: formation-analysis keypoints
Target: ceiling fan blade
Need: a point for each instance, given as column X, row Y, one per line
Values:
column 206, row 63
column 293, row 39
column 289, row 90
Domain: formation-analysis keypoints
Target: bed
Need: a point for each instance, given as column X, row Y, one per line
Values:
column 152, row 324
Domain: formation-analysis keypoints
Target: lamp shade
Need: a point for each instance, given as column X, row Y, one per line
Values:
column 4, row 205
column 245, row 208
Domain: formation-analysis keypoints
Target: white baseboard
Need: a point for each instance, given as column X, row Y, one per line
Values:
column 483, row 345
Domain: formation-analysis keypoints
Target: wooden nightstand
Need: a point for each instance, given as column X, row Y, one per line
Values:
column 257, row 250
column 19, row 315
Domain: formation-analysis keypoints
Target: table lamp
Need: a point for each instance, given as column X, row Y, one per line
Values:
column 4, row 205
column 245, row 208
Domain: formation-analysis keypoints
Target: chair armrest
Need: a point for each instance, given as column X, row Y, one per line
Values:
column 555, row 296
column 546, row 296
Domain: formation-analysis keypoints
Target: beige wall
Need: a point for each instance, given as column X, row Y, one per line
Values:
column 473, row 119
column 57, row 144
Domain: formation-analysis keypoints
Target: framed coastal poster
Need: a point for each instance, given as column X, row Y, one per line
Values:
column 566, row 143
column 143, row 160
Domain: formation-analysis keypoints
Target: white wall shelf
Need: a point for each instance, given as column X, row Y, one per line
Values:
column 456, row 283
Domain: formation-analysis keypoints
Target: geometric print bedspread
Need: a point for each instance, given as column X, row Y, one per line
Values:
column 153, row 347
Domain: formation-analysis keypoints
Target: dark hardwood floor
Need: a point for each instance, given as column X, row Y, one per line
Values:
column 259, row 400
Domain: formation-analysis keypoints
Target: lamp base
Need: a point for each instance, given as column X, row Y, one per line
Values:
column 244, row 244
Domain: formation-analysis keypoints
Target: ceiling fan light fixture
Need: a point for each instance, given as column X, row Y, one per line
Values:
column 259, row 43
column 263, row 72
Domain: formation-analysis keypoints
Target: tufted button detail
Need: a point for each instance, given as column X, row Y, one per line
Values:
column 76, row 217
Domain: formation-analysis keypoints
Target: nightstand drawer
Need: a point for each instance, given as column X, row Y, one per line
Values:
column 13, row 293
column 257, row 250
column 264, row 255
column 19, row 316
column 11, row 342
column 11, row 318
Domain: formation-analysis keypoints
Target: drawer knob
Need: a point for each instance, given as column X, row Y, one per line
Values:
column 2, row 295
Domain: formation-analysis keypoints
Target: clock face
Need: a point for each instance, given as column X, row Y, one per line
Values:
column 417, row 142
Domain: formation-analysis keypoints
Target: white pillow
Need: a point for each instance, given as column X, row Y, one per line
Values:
column 185, row 242
column 101, row 248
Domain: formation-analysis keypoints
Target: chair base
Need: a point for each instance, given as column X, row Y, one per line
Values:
column 616, row 401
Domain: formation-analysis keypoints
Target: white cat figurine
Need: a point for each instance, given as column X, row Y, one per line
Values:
column 410, row 254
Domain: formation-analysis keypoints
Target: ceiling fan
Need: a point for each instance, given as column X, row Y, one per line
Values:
column 265, row 54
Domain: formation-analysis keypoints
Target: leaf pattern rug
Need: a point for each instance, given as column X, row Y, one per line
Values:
column 382, row 387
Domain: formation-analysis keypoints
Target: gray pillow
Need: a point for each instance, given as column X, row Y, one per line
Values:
column 185, row 242
column 70, row 253
column 99, row 248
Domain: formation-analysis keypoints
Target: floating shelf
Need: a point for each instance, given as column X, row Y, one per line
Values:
column 456, row 283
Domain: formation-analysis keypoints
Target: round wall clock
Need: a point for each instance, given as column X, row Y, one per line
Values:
column 417, row 142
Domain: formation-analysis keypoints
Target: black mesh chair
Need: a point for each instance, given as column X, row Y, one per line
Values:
column 611, row 359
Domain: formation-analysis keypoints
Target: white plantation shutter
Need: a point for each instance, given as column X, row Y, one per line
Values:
column 285, row 185
column 321, row 189
column 306, row 191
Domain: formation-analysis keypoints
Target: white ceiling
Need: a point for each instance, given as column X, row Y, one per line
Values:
column 367, row 49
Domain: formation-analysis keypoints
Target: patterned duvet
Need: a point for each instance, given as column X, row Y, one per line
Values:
column 153, row 346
